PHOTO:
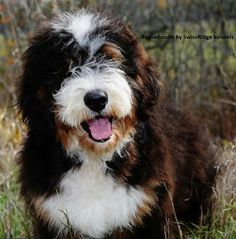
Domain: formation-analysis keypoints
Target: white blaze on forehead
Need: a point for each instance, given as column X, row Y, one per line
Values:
column 82, row 24
column 105, row 76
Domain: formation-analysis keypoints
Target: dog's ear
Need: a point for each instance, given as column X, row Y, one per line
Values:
column 43, row 67
column 147, row 79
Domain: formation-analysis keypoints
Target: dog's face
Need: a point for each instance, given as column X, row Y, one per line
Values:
column 86, row 74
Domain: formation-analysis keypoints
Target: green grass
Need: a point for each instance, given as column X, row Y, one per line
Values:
column 14, row 223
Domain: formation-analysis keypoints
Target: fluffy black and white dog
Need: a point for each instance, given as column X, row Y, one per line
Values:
column 103, row 157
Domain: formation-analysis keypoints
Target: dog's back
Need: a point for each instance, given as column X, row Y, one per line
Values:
column 193, row 159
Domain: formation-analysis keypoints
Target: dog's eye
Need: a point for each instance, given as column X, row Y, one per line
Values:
column 68, row 74
column 73, row 71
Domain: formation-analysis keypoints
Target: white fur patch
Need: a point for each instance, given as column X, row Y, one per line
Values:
column 92, row 202
column 82, row 24
column 94, row 75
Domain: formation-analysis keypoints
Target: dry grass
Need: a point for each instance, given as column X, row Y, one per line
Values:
column 14, row 223
column 224, row 217
column 224, row 210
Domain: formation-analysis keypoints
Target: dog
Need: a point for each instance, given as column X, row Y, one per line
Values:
column 105, row 156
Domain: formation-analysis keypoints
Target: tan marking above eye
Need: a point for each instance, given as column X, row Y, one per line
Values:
column 113, row 51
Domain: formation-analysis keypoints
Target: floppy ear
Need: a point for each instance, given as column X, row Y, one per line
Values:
column 43, row 67
column 147, row 79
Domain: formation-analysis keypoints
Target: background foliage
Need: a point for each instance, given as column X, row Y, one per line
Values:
column 200, row 74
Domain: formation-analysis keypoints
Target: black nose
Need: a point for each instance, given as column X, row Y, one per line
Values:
column 96, row 100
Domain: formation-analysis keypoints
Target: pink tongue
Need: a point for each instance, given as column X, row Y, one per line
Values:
column 100, row 128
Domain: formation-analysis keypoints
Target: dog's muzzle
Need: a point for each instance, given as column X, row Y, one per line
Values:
column 99, row 128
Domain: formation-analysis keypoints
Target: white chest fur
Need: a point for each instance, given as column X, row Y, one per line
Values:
column 92, row 202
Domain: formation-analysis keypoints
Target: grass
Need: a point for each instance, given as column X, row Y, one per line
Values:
column 224, row 210
column 15, row 223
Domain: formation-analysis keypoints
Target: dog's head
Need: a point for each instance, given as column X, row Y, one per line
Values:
column 87, row 79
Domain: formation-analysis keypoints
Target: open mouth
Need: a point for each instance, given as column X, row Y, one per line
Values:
column 99, row 129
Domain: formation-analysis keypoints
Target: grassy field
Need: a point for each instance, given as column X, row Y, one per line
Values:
column 15, row 223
